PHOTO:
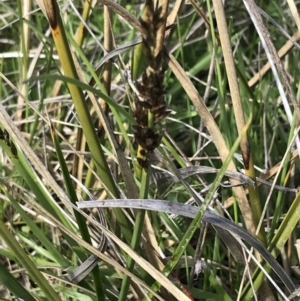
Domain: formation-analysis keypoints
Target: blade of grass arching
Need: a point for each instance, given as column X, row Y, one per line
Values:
column 117, row 266
column 79, row 218
column 27, row 263
column 40, row 235
column 239, row 114
column 13, row 285
column 197, row 220
column 209, row 216
column 59, row 36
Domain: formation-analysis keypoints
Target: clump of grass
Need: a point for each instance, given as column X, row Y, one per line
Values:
column 54, row 96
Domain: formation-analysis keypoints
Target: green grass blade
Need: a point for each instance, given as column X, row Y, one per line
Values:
column 84, row 117
column 34, row 182
column 13, row 285
column 38, row 188
column 40, row 235
column 136, row 236
column 28, row 265
column 79, row 218
column 197, row 220
column 282, row 235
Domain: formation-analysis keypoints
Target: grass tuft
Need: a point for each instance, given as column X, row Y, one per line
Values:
column 128, row 170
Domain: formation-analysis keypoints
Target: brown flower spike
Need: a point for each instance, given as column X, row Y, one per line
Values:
column 150, row 107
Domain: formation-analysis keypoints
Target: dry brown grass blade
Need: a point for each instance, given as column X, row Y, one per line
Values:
column 295, row 13
column 203, row 15
column 123, row 13
column 232, row 77
column 41, row 5
column 160, row 35
column 238, row 111
column 26, row 8
column 257, row 19
column 282, row 51
column 175, row 12
column 265, row 291
column 273, row 171
column 151, row 245
column 214, row 132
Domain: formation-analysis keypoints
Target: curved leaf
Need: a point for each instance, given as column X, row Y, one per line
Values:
column 191, row 211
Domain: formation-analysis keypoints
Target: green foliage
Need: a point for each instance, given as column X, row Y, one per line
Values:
column 49, row 166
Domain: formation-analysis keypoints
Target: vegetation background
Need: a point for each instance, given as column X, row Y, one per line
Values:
column 184, row 112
